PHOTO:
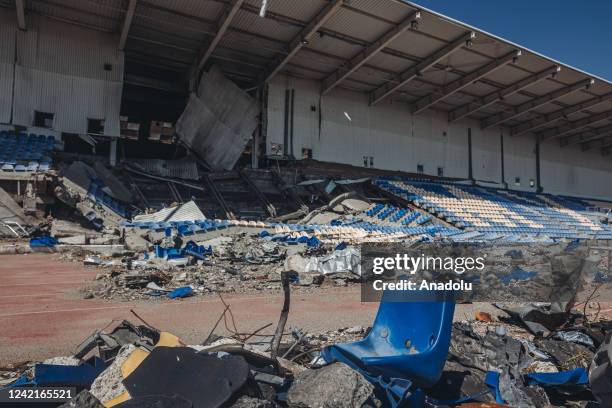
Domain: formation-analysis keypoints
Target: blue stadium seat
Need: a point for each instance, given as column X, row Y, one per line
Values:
column 408, row 340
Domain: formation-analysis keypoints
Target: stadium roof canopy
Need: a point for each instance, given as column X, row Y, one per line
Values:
column 385, row 48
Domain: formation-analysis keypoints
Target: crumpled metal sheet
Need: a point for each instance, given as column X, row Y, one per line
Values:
column 218, row 121
column 499, row 353
column 566, row 355
column 346, row 260
column 491, row 352
column 575, row 336
column 539, row 318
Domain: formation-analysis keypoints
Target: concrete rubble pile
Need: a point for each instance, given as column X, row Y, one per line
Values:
column 130, row 365
column 242, row 262
column 531, row 355
column 177, row 252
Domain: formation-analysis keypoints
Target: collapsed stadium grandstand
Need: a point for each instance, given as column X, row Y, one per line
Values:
column 204, row 165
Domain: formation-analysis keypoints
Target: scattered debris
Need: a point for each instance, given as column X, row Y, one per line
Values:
column 83, row 399
column 600, row 374
column 332, row 386
column 196, row 238
column 484, row 317
column 487, row 363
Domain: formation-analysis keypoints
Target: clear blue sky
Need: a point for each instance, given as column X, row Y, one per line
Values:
column 577, row 33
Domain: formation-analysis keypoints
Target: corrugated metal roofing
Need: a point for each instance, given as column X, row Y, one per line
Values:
column 302, row 10
column 199, row 8
column 103, row 15
column 182, row 169
column 179, row 29
column 183, row 212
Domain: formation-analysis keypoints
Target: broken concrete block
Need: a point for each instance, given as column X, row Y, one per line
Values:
column 63, row 360
column 108, row 385
column 136, row 243
column 63, row 228
column 354, row 330
column 290, row 366
column 333, row 386
column 74, row 240
column 83, row 399
column 105, row 240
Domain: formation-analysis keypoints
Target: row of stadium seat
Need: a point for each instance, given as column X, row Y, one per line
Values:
column 96, row 192
column 500, row 211
column 358, row 231
column 25, row 153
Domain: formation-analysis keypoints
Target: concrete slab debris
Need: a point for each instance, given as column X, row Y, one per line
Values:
column 83, row 399
column 333, row 386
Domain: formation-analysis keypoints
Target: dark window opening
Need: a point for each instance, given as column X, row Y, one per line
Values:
column 306, row 153
column 73, row 143
column 108, row 67
column 43, row 119
column 440, row 171
column 517, row 181
column 420, row 169
column 313, row 108
column 371, row 161
column 95, row 126
column 365, row 161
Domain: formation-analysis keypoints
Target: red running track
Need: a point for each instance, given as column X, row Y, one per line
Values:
column 42, row 313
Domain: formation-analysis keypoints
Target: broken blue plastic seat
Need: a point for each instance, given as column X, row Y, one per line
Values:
column 182, row 292
column 313, row 242
column 198, row 251
column 48, row 375
column 577, row 376
column 81, row 376
column 44, row 241
column 408, row 340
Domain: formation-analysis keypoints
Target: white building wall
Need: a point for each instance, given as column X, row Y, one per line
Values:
column 350, row 130
column 400, row 141
column 72, row 99
column 486, row 153
column 8, row 28
column 520, row 161
column 59, row 68
column 570, row 171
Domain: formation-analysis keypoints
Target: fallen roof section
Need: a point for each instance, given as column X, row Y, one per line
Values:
column 182, row 212
column 218, row 121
